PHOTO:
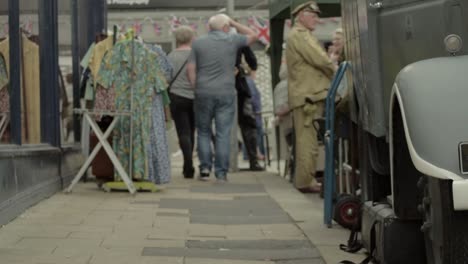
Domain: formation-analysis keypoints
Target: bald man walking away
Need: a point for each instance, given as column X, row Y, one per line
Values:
column 211, row 72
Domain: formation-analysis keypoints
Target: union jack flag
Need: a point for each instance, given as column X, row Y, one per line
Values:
column 262, row 28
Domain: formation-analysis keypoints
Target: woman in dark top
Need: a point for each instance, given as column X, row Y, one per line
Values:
column 182, row 95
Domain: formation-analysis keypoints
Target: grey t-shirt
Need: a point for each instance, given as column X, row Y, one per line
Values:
column 181, row 85
column 215, row 57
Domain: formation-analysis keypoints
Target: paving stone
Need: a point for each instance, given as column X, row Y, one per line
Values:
column 229, row 188
column 171, row 222
column 118, row 241
column 168, row 233
column 250, row 244
column 171, row 214
column 240, row 254
column 51, row 243
column 129, row 256
column 281, row 230
column 239, row 220
column 223, row 261
column 96, row 235
column 200, row 230
column 139, row 260
column 8, row 239
column 49, row 259
column 241, row 210
column 129, row 223
column 244, row 232
column 145, row 202
column 176, row 211
column 302, row 261
column 36, row 232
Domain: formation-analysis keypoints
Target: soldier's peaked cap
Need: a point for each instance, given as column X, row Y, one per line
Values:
column 310, row 6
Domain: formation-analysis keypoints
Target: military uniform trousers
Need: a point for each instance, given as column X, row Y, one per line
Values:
column 306, row 144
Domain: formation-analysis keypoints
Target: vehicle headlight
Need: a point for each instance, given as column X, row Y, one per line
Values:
column 453, row 43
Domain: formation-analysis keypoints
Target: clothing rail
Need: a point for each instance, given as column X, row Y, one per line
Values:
column 103, row 143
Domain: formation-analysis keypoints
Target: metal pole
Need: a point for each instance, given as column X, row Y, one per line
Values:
column 49, row 69
column 76, row 69
column 15, row 70
column 233, row 164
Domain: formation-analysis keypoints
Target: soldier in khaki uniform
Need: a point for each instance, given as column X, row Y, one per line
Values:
column 310, row 73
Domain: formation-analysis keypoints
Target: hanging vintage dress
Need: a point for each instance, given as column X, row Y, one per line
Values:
column 159, row 165
column 31, row 92
column 4, row 95
column 30, row 89
column 104, row 97
column 163, row 60
column 4, row 76
column 133, row 70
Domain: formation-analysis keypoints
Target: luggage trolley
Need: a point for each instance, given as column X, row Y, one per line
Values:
column 344, row 206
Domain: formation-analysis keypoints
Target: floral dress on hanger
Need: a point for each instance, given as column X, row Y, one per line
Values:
column 132, row 69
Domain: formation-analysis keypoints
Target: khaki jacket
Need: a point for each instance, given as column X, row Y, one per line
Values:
column 310, row 70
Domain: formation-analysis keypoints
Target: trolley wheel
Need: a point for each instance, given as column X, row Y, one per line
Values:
column 347, row 210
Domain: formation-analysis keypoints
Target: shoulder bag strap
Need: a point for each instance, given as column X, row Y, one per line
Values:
column 177, row 75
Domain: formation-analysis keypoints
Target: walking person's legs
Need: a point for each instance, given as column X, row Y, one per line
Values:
column 182, row 113
column 248, row 126
column 224, row 120
column 249, row 136
column 205, row 110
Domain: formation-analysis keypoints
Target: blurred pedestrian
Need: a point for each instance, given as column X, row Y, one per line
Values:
column 182, row 95
column 247, row 116
column 337, row 48
column 211, row 72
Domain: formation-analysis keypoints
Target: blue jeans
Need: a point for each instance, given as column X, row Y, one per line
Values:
column 221, row 109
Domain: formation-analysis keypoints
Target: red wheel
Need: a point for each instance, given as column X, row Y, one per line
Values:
column 347, row 211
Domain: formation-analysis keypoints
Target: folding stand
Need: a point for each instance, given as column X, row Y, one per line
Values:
column 103, row 143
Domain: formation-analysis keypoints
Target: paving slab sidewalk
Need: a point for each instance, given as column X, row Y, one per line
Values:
column 255, row 218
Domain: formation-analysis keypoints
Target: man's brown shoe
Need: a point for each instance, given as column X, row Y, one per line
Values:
column 315, row 189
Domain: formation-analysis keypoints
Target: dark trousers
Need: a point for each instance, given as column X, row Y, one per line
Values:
column 248, row 127
column 184, row 119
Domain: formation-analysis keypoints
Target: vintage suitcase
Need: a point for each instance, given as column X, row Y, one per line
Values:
column 391, row 240
column 101, row 167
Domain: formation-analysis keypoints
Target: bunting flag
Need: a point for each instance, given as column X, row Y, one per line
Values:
column 157, row 28
column 262, row 28
column 186, row 22
column 27, row 26
column 174, row 23
column 137, row 27
column 122, row 28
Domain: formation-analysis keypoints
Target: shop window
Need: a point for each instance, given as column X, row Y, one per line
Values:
column 65, row 72
column 4, row 78
column 30, row 75
column 4, row 99
column 29, row 71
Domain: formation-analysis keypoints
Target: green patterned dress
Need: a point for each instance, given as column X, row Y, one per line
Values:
column 131, row 66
